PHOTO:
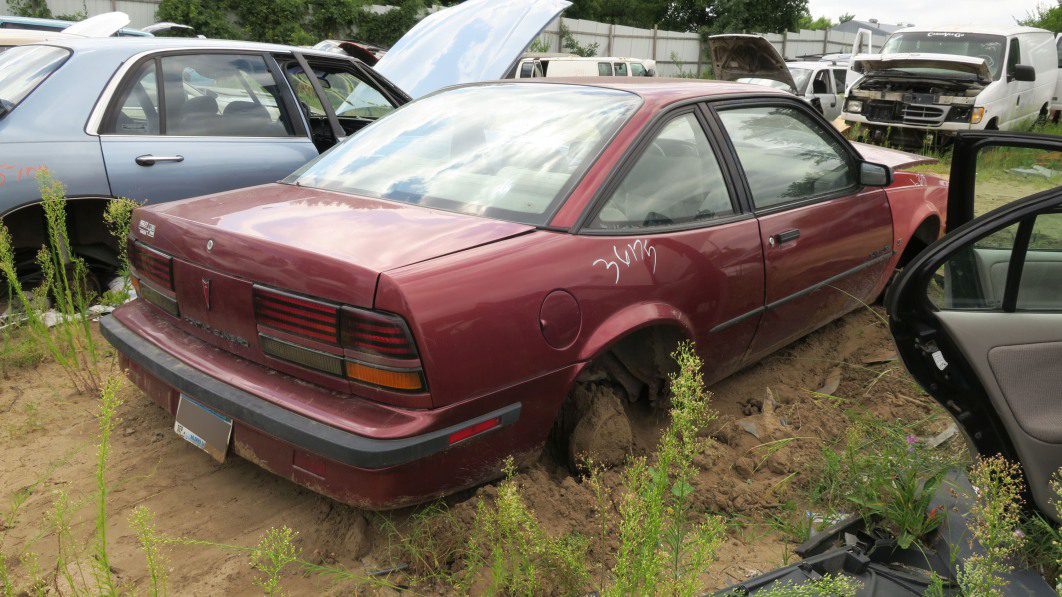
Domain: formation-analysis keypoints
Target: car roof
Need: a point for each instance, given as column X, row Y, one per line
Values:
column 137, row 45
column 655, row 91
column 976, row 29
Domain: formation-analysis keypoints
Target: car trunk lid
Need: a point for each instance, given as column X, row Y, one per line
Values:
column 324, row 244
column 477, row 40
column 741, row 56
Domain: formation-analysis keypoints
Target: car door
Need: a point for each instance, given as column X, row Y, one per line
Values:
column 674, row 205
column 977, row 317
column 826, row 238
column 822, row 88
column 183, row 124
column 1056, row 98
column 1020, row 95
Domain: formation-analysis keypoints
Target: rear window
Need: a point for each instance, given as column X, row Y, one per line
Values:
column 23, row 68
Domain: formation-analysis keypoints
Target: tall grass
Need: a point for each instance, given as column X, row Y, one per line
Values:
column 274, row 552
column 109, row 402
column 520, row 558
column 65, row 284
column 995, row 519
column 664, row 545
column 143, row 522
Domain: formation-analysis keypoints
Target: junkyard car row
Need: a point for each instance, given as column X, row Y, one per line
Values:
column 418, row 299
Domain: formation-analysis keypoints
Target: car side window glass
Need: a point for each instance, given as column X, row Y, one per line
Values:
column 349, row 96
column 222, row 95
column 637, row 69
column 604, row 69
column 787, row 156
column 1014, row 56
column 621, row 69
column 1041, row 275
column 526, row 69
column 1058, row 51
column 676, row 180
column 839, row 76
column 976, row 277
column 821, row 84
column 137, row 110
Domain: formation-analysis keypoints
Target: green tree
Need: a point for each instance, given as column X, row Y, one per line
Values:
column 208, row 17
column 844, row 18
column 806, row 22
column 1045, row 16
column 30, row 8
column 728, row 16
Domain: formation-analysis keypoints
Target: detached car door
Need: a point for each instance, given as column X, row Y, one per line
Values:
column 184, row 124
column 977, row 317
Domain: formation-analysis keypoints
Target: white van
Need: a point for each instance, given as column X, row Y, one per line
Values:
column 577, row 66
column 954, row 78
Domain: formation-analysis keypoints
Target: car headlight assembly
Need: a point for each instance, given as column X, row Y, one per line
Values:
column 854, row 106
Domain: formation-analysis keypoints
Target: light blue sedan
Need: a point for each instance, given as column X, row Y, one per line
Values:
column 158, row 119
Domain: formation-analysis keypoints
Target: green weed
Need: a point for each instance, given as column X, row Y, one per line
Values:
column 433, row 540
column 65, row 283
column 274, row 552
column 109, row 403
column 663, row 545
column 995, row 519
column 143, row 522
column 887, row 475
column 827, row 586
column 520, row 557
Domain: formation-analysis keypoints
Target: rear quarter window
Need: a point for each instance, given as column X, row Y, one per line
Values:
column 23, row 68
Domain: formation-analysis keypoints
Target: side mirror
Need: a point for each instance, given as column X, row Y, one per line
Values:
column 874, row 175
column 1023, row 72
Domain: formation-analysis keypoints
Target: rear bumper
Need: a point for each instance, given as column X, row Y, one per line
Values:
column 335, row 444
column 388, row 466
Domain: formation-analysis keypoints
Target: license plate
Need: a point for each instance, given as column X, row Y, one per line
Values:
column 203, row 427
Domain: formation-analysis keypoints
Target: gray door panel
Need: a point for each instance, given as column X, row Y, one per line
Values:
column 1041, row 279
column 1018, row 359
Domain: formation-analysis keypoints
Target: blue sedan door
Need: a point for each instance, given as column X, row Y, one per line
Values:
column 184, row 124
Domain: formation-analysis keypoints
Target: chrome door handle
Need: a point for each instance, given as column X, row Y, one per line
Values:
column 151, row 160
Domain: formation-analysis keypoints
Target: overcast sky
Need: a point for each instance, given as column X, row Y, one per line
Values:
column 924, row 12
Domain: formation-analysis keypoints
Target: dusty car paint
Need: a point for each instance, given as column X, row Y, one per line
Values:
column 480, row 297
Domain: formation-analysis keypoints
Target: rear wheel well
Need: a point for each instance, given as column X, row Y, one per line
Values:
column 88, row 234
column 924, row 235
column 631, row 376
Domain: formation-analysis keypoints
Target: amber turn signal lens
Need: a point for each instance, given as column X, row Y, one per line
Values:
column 397, row 380
column 135, row 282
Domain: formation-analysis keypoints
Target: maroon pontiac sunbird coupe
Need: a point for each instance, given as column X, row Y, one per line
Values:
column 393, row 320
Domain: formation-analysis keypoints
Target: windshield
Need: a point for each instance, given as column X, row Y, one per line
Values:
column 23, row 68
column 988, row 47
column 502, row 151
column 801, row 76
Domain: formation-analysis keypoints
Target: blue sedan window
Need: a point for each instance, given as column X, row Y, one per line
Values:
column 23, row 69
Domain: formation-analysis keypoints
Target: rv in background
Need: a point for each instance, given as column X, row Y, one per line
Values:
column 564, row 65
column 951, row 79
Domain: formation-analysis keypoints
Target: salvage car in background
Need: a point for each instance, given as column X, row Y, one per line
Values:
column 560, row 66
column 12, row 23
column 943, row 80
column 752, row 59
column 162, row 119
column 432, row 290
column 103, row 25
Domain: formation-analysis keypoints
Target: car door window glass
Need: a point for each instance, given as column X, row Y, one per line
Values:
column 677, row 180
column 222, row 95
column 638, row 69
column 1058, row 50
column 1014, row 56
column 350, row 97
column 838, row 79
column 604, row 69
column 821, row 84
column 1006, row 174
column 621, row 69
column 786, row 155
column 137, row 110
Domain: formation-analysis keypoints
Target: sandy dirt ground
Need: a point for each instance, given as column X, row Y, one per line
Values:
column 47, row 436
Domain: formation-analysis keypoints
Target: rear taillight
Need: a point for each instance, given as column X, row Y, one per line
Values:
column 152, row 277
column 154, row 265
column 296, row 315
column 376, row 333
column 378, row 349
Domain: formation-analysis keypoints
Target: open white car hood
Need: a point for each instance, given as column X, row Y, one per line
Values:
column 104, row 25
column 477, row 40
column 865, row 63
column 739, row 56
